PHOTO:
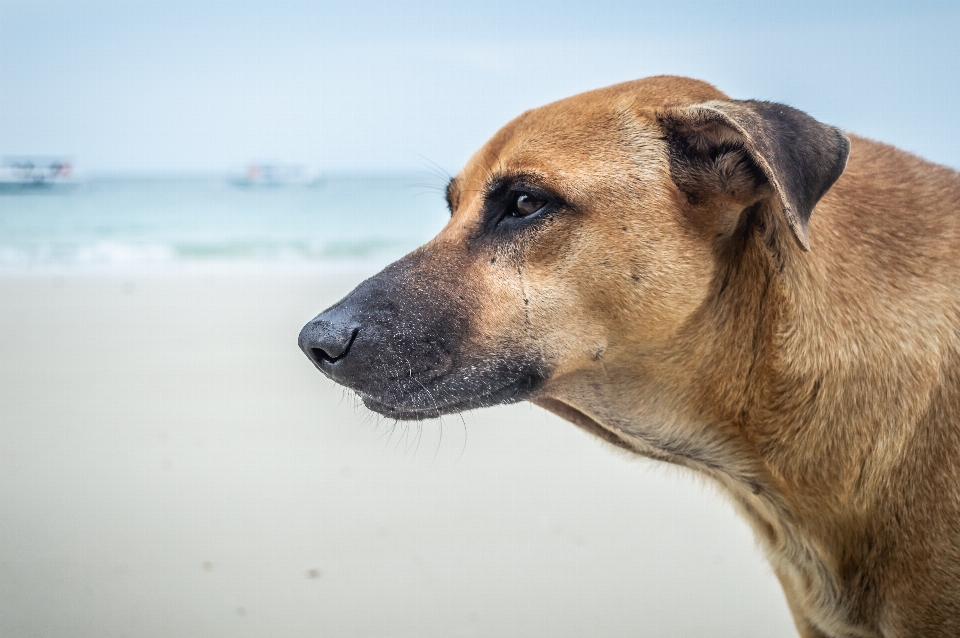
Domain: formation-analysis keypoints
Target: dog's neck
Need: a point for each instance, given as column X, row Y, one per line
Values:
column 771, row 427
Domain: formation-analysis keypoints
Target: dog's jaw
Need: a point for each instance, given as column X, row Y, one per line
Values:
column 521, row 389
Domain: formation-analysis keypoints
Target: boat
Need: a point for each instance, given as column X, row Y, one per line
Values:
column 18, row 173
column 277, row 175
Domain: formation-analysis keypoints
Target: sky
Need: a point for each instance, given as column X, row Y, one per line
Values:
column 146, row 86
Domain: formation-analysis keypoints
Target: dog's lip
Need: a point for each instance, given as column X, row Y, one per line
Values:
column 403, row 414
column 510, row 393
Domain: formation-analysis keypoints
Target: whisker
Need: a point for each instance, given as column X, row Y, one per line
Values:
column 464, row 448
column 388, row 434
column 403, row 433
column 440, row 171
column 419, row 436
column 439, row 442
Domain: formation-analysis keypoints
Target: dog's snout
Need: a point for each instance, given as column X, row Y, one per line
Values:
column 327, row 340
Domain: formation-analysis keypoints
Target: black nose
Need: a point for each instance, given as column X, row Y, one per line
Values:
column 327, row 339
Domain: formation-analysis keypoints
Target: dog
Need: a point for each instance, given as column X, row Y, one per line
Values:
column 730, row 286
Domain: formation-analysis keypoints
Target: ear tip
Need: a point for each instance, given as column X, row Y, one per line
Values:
column 803, row 241
column 799, row 231
column 842, row 148
column 844, row 141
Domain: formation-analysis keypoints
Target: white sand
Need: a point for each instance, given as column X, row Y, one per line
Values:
column 172, row 465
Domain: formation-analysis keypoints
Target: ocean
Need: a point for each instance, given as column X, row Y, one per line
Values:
column 210, row 223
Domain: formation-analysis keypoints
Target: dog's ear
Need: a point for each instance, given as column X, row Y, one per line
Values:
column 750, row 150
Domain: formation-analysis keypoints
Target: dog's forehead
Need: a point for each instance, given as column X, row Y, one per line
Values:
column 564, row 139
column 557, row 145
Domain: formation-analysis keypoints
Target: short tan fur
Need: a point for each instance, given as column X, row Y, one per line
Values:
column 689, row 314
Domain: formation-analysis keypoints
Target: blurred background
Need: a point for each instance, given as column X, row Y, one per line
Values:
column 184, row 184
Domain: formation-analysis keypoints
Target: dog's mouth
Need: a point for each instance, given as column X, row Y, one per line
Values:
column 423, row 406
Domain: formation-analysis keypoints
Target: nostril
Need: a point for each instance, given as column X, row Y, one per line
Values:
column 332, row 352
column 319, row 354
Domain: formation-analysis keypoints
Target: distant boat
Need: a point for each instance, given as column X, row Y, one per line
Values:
column 277, row 175
column 34, row 172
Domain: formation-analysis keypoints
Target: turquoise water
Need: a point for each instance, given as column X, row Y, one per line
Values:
column 171, row 223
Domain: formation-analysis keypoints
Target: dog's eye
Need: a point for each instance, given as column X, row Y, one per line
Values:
column 527, row 205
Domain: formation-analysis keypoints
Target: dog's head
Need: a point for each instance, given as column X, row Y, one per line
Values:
column 584, row 235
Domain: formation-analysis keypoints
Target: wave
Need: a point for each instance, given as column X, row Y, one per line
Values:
column 123, row 256
column 205, row 223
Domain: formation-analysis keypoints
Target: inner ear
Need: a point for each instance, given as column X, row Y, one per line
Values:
column 717, row 174
column 732, row 152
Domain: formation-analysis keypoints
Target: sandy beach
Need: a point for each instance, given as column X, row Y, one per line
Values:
column 171, row 465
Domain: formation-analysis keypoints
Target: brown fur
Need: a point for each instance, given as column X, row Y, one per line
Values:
column 710, row 294
column 820, row 388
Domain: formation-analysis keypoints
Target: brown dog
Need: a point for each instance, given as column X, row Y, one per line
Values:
column 713, row 283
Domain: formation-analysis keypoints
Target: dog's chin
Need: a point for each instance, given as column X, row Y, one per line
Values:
column 419, row 407
column 400, row 413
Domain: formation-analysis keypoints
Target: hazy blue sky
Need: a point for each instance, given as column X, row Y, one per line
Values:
column 137, row 86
